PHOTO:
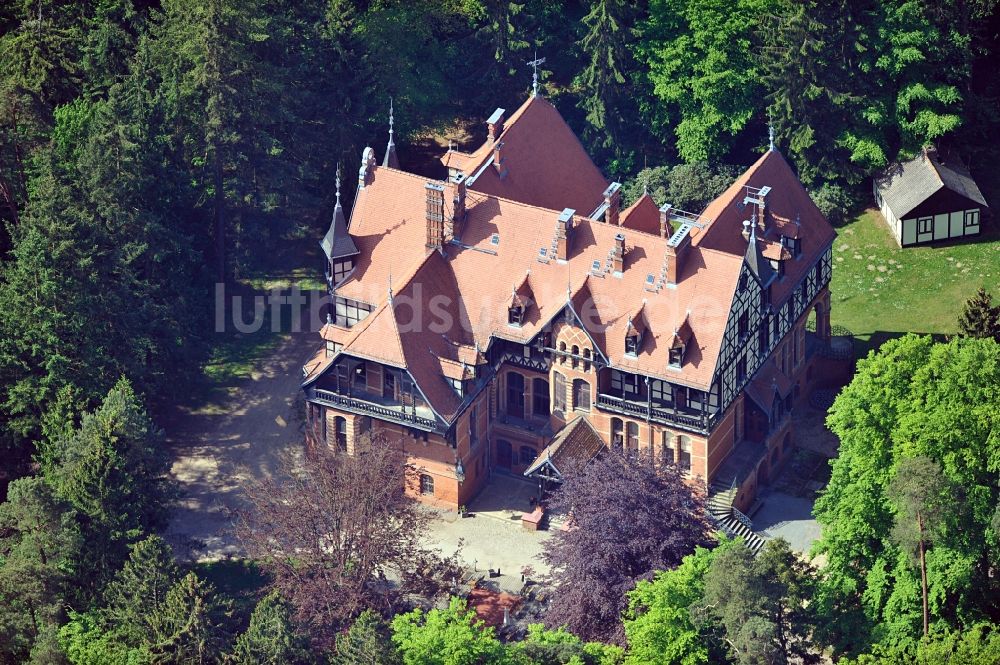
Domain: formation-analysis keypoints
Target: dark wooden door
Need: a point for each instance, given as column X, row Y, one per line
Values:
column 503, row 454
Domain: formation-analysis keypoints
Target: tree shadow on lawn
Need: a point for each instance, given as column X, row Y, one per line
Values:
column 863, row 347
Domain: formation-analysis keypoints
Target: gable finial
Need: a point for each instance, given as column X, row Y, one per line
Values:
column 390, row 120
column 338, row 183
column 534, row 77
column 390, row 286
column 770, row 131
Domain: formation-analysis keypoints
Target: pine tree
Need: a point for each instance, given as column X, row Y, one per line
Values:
column 366, row 642
column 271, row 638
column 606, row 83
column 190, row 626
column 39, row 544
column 134, row 597
column 113, row 471
column 980, row 317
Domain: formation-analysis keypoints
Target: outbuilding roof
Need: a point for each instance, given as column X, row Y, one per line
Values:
column 906, row 185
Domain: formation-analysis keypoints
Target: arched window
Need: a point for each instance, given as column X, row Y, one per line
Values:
column 558, row 392
column 562, row 350
column 632, row 429
column 340, row 432
column 515, row 395
column 685, row 456
column 426, row 484
column 617, row 434
column 774, row 458
column 667, row 453
column 576, row 352
column 528, row 455
column 581, row 395
column 586, row 360
column 540, row 397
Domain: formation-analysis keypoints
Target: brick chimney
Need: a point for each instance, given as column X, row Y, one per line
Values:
column 613, row 203
column 494, row 125
column 435, row 215
column 456, row 190
column 498, row 159
column 564, row 228
column 665, row 229
column 618, row 254
column 677, row 249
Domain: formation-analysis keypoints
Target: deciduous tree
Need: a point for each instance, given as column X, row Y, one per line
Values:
column 628, row 519
column 913, row 398
column 339, row 535
column 452, row 636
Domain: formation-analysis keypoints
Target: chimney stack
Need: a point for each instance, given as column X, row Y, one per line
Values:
column 762, row 195
column 495, row 125
column 457, row 189
column 618, row 254
column 435, row 216
column 677, row 249
column 564, row 226
column 498, row 159
column 613, row 203
column 665, row 229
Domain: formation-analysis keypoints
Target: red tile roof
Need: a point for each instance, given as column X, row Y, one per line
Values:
column 643, row 215
column 544, row 162
column 791, row 212
column 449, row 302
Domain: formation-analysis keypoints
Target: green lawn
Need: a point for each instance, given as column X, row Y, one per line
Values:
column 880, row 291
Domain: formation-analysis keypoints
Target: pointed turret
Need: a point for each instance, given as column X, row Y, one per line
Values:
column 337, row 244
column 390, row 161
column 759, row 266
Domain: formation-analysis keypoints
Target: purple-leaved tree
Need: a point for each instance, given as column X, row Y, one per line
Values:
column 629, row 518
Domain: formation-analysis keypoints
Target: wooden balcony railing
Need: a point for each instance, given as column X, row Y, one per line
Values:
column 621, row 405
column 396, row 414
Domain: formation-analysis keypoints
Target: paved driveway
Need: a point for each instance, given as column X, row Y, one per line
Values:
column 789, row 517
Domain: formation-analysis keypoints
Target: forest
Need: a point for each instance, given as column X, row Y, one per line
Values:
column 150, row 149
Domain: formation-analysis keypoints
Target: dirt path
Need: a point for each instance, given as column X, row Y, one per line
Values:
column 218, row 446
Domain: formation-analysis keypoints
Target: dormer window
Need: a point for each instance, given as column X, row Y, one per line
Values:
column 330, row 348
column 341, row 269
column 515, row 315
column 456, row 385
column 779, row 267
column 793, row 245
column 676, row 357
column 632, row 344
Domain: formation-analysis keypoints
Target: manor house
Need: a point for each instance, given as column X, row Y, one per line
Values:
column 514, row 317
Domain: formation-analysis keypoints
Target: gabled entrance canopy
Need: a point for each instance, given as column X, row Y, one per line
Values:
column 574, row 445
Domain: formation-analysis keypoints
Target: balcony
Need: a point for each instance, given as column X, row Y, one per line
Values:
column 691, row 420
column 395, row 413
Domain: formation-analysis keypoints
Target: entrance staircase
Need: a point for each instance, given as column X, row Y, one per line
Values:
column 721, row 495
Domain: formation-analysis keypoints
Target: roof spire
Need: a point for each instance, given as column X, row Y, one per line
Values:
column 770, row 132
column 390, row 159
column 338, row 184
column 534, row 77
column 390, row 286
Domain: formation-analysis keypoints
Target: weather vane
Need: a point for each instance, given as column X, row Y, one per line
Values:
column 534, row 77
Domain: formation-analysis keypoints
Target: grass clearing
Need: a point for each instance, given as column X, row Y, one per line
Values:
column 880, row 291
